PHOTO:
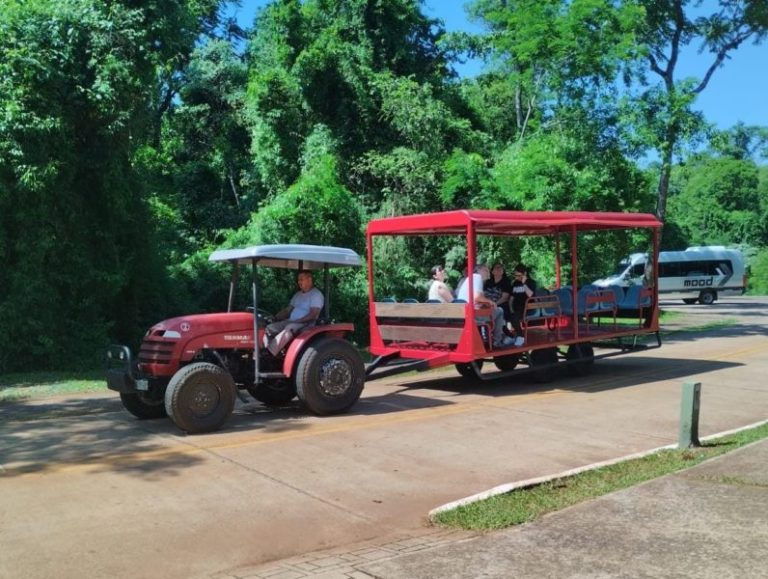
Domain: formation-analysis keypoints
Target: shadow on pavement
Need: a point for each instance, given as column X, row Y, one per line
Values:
column 610, row 374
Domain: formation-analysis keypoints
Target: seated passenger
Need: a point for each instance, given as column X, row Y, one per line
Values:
column 461, row 279
column 478, row 278
column 304, row 308
column 438, row 289
column 498, row 288
column 522, row 288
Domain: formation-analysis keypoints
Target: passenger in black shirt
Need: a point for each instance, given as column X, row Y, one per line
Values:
column 498, row 288
column 522, row 288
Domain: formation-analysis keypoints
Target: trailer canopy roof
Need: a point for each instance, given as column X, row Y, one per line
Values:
column 290, row 256
column 509, row 222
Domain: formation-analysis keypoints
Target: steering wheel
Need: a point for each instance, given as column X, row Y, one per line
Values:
column 264, row 315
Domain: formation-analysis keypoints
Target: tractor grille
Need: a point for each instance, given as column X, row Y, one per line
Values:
column 156, row 351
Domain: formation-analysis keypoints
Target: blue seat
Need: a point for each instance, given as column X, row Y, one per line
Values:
column 389, row 300
column 410, row 301
column 433, row 301
column 618, row 293
column 534, row 313
column 583, row 308
column 632, row 299
column 565, row 295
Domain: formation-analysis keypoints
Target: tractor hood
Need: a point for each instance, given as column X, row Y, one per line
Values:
column 186, row 327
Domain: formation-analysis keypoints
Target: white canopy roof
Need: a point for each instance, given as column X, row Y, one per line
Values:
column 288, row 256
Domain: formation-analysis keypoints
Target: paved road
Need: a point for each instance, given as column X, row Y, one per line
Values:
column 88, row 491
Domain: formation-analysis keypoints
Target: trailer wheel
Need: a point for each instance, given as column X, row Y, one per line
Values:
column 506, row 363
column 329, row 376
column 544, row 362
column 707, row 297
column 200, row 397
column 690, row 301
column 143, row 406
column 467, row 371
column 585, row 354
column 274, row 392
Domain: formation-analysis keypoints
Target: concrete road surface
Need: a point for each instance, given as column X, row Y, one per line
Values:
column 88, row 491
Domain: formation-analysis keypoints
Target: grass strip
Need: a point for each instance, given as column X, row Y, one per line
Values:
column 16, row 387
column 528, row 504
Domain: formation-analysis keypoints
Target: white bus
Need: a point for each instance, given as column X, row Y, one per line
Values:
column 698, row 274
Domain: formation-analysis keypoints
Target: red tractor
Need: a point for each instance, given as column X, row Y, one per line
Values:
column 191, row 368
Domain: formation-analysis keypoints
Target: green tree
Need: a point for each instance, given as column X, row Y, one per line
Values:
column 206, row 141
column 664, row 117
column 719, row 202
column 78, row 87
column 552, row 53
column 350, row 66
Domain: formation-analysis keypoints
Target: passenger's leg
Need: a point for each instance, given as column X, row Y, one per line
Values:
column 498, row 325
column 517, row 323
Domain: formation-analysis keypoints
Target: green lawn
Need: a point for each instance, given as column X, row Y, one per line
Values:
column 14, row 387
column 528, row 504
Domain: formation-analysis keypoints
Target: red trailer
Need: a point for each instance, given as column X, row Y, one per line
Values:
column 562, row 327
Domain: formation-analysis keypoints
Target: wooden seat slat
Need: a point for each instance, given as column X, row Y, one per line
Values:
column 445, row 335
column 422, row 311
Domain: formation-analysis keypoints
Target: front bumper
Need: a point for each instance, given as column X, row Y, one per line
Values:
column 123, row 375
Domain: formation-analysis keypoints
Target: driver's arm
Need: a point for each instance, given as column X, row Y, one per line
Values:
column 284, row 313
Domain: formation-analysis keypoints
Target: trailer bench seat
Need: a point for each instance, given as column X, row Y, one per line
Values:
column 428, row 322
column 542, row 310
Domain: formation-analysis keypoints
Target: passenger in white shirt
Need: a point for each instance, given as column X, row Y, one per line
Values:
column 438, row 289
column 481, row 274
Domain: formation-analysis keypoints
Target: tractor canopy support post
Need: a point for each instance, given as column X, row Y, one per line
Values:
column 256, row 345
column 233, row 286
column 326, row 292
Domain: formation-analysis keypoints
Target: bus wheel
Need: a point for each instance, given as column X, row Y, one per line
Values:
column 543, row 362
column 330, row 376
column 506, row 363
column 586, row 356
column 690, row 301
column 467, row 371
column 707, row 298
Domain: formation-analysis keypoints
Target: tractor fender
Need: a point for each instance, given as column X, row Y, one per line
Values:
column 307, row 336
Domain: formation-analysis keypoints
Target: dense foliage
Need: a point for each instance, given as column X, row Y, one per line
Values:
column 137, row 135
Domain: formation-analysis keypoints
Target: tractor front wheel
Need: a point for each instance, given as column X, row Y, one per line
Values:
column 200, row 397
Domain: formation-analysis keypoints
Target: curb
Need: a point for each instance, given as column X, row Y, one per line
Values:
column 532, row 482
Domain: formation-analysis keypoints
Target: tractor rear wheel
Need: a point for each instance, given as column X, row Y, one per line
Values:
column 329, row 376
column 200, row 397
